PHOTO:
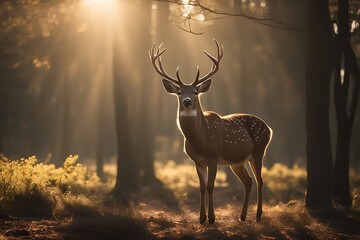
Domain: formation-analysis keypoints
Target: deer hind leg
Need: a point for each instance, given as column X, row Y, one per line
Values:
column 242, row 173
column 202, row 174
column 256, row 166
column 212, row 170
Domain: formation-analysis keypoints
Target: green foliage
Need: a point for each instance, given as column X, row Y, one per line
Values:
column 29, row 188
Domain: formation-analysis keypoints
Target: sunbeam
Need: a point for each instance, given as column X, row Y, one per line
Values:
column 89, row 135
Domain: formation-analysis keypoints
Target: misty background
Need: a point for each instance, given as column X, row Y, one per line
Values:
column 57, row 89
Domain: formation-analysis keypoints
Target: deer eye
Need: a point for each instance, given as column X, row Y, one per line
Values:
column 179, row 93
column 196, row 93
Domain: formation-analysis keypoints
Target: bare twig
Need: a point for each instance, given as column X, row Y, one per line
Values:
column 213, row 14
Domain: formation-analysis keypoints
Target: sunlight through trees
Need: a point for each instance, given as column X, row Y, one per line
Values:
column 87, row 131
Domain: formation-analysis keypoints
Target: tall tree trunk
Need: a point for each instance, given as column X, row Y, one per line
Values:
column 318, row 72
column 344, row 53
column 342, row 194
column 100, row 140
column 146, row 136
column 127, row 176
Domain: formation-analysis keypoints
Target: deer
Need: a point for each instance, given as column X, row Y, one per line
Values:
column 211, row 139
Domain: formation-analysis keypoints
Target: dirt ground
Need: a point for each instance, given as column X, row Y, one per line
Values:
column 164, row 218
column 184, row 226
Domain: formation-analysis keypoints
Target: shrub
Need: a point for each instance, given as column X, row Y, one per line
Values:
column 30, row 188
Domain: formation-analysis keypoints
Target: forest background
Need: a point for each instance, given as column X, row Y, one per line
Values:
column 76, row 79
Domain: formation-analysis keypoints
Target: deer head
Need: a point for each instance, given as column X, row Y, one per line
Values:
column 187, row 94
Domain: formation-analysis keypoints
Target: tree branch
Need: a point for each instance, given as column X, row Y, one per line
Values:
column 213, row 14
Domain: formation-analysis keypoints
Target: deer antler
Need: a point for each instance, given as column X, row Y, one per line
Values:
column 215, row 66
column 156, row 55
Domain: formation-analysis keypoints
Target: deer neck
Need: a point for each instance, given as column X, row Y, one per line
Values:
column 193, row 125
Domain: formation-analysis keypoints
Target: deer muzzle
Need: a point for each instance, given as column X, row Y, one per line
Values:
column 187, row 102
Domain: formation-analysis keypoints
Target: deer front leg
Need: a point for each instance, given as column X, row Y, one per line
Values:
column 212, row 170
column 202, row 174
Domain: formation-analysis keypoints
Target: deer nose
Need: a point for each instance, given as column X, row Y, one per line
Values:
column 187, row 102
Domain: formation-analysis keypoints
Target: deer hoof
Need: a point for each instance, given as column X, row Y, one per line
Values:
column 202, row 220
column 243, row 218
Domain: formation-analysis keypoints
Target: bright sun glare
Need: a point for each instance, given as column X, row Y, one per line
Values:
column 101, row 6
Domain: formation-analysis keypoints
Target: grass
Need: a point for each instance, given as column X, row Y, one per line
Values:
column 72, row 203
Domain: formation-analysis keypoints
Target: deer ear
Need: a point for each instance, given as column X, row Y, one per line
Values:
column 204, row 87
column 170, row 87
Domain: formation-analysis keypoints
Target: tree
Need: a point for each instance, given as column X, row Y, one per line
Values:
column 317, row 82
column 145, row 136
column 99, row 154
column 134, row 124
column 345, row 67
column 127, row 176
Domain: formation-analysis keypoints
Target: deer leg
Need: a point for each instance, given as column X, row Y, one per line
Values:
column 242, row 173
column 256, row 165
column 202, row 174
column 212, row 170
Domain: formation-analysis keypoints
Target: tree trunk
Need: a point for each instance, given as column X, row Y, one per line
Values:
column 343, row 51
column 318, row 72
column 342, row 194
column 127, row 176
column 100, row 140
column 146, row 138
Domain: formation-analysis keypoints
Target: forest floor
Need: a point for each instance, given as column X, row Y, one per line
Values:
column 170, row 211
column 155, row 221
